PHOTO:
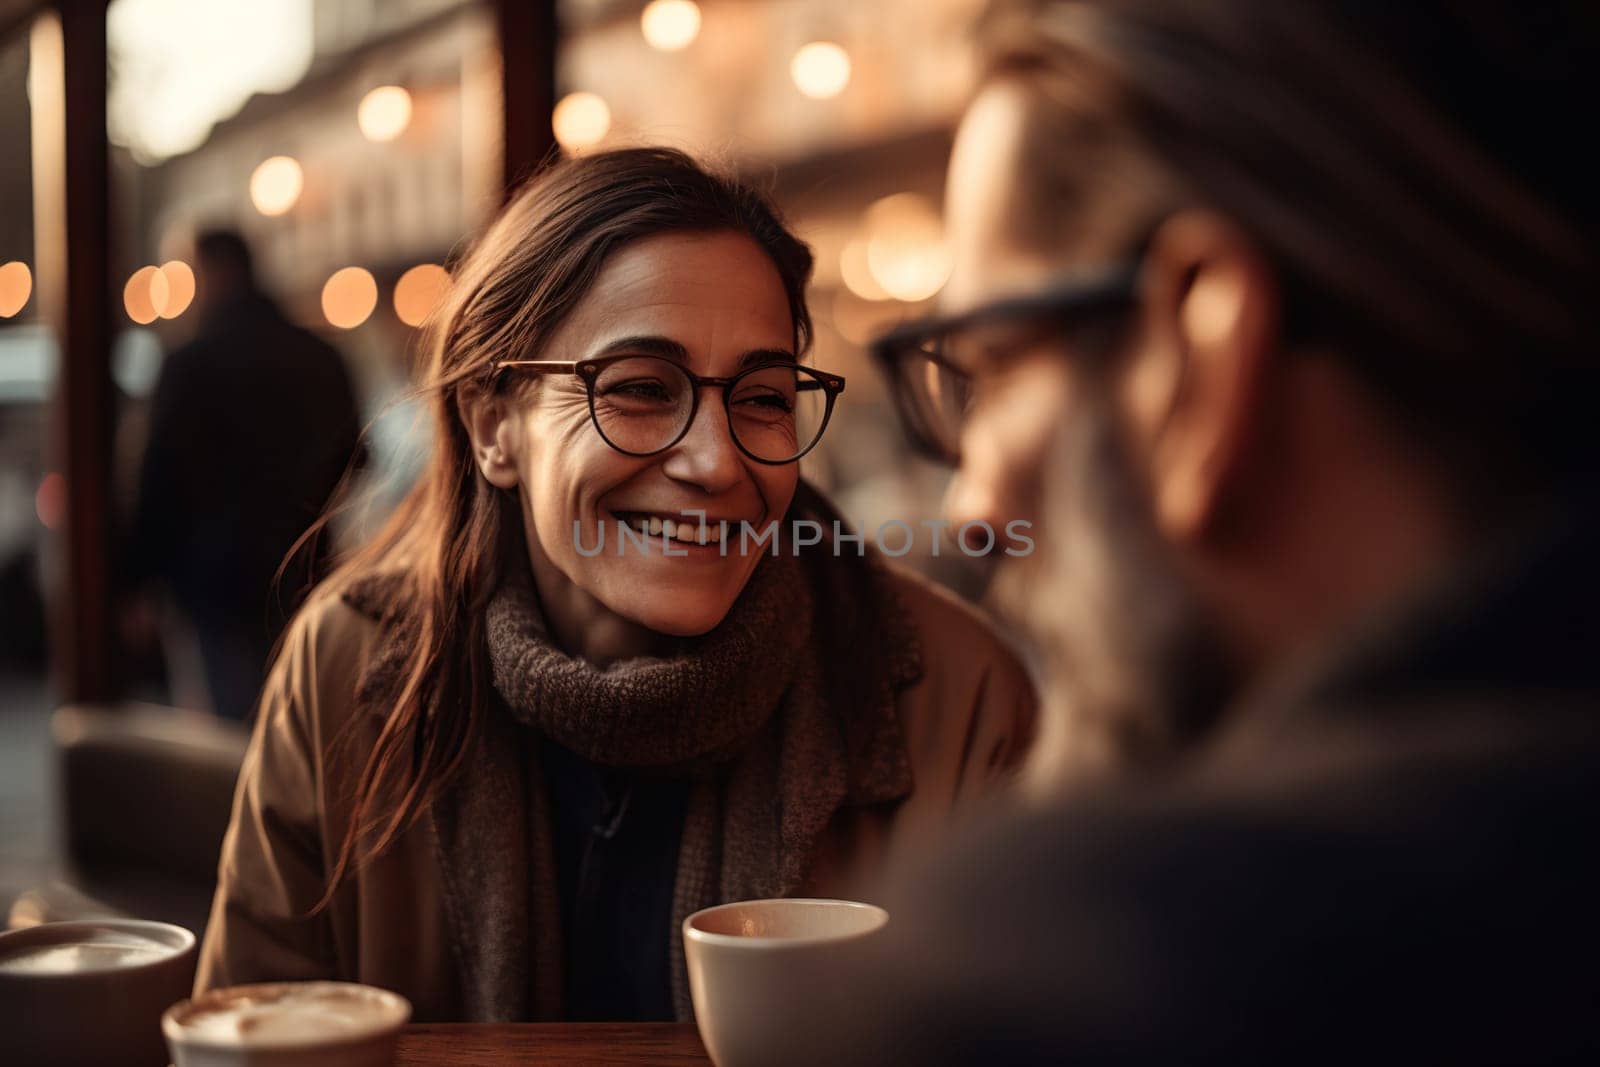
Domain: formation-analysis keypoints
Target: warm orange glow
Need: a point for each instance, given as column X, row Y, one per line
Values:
column 16, row 285
column 821, row 70
column 349, row 297
column 276, row 184
column 419, row 291
column 906, row 251
column 581, row 120
column 670, row 25
column 859, row 321
column 384, row 113
column 50, row 501
column 146, row 294
column 179, row 279
column 857, row 274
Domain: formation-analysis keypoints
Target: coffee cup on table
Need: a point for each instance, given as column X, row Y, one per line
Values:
column 287, row 1024
column 92, row 991
column 754, row 965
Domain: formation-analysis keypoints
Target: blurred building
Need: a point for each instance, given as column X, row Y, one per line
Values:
column 384, row 206
column 845, row 109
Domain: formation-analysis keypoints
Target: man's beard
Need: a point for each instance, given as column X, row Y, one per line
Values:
column 1132, row 671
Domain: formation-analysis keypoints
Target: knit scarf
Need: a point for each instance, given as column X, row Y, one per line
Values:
column 779, row 717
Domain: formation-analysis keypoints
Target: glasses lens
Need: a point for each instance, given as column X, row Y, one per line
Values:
column 777, row 412
column 642, row 403
column 933, row 397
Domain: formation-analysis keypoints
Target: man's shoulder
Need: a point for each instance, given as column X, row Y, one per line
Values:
column 1379, row 801
column 1433, row 897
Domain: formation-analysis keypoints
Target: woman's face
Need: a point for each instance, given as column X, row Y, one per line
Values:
column 717, row 301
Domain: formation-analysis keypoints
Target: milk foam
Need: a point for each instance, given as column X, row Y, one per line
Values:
column 101, row 950
column 289, row 1013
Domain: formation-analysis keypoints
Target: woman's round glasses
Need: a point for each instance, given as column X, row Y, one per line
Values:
column 642, row 405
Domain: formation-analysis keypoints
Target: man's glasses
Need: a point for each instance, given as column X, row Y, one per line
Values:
column 929, row 363
column 643, row 405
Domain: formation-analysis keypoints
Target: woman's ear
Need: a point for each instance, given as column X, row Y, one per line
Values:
column 484, row 414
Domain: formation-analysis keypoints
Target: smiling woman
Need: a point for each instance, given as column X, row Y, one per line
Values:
column 493, row 771
column 620, row 434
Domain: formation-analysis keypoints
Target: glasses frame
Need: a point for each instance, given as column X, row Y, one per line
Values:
column 1060, row 305
column 588, row 371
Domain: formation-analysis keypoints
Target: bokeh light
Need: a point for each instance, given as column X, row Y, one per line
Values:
column 179, row 277
column 16, row 285
column 906, row 250
column 857, row 275
column 384, row 113
column 145, row 295
column 821, row 70
column 670, row 25
column 50, row 501
column 419, row 291
column 349, row 297
column 581, row 120
column 861, row 321
column 276, row 184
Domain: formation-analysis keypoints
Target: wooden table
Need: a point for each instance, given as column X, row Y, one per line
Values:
column 482, row 1044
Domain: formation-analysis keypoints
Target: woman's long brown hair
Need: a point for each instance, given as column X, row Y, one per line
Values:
column 450, row 535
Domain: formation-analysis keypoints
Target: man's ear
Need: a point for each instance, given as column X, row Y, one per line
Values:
column 1212, row 307
column 484, row 414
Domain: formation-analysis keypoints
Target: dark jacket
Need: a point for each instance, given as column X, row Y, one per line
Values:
column 252, row 426
column 1393, row 860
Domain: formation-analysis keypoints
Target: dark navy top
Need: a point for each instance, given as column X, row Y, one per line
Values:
column 616, row 844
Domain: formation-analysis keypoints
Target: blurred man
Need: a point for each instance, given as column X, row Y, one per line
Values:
column 252, row 426
column 1279, row 321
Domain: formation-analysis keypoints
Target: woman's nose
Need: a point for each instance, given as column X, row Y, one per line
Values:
column 706, row 456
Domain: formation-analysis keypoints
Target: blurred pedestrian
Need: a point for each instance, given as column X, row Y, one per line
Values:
column 1279, row 322
column 252, row 426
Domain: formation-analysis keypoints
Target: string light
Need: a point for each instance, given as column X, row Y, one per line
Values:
column 16, row 285
column 276, row 184
column 580, row 120
column 179, row 278
column 906, row 251
column 384, row 113
column 821, row 70
column 349, row 297
column 857, row 275
column 419, row 291
column 145, row 295
column 670, row 25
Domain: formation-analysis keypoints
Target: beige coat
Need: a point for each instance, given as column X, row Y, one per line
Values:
column 966, row 725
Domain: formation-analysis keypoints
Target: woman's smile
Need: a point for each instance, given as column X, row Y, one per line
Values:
column 689, row 527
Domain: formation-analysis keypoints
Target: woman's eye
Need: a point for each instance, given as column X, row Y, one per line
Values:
column 641, row 389
column 767, row 402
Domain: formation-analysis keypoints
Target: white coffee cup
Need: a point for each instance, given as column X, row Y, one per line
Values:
column 277, row 1024
column 753, row 966
column 287, row 1024
column 91, row 991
